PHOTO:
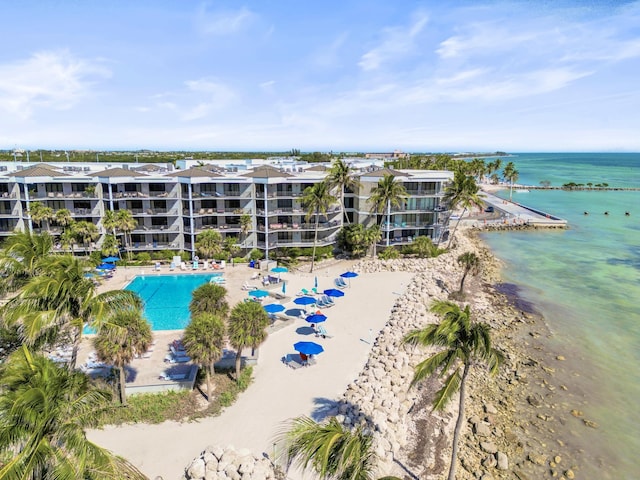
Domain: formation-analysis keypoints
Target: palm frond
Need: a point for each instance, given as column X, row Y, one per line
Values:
column 448, row 390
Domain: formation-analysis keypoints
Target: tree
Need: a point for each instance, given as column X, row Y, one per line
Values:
column 245, row 227
column 470, row 263
column 209, row 298
column 341, row 177
column 356, row 238
column 86, row 232
column 511, row 175
column 317, row 200
column 126, row 224
column 68, row 238
column 231, row 247
column 110, row 223
column 246, row 328
column 209, row 243
column 123, row 336
column 387, row 194
column 203, row 340
column 462, row 191
column 44, row 411
column 463, row 343
column 110, row 246
column 62, row 217
column 61, row 298
column 20, row 257
column 423, row 247
column 329, row 449
column 40, row 213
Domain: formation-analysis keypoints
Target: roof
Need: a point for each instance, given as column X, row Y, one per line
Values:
column 266, row 171
column 147, row 168
column 38, row 171
column 117, row 172
column 318, row 168
column 194, row 172
column 385, row 171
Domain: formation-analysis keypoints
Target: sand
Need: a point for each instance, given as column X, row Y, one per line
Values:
column 278, row 393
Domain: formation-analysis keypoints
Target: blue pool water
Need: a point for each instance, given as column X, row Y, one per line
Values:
column 166, row 298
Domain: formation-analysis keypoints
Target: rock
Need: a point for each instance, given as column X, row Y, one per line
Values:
column 569, row 474
column 197, row 469
column 557, row 459
column 490, row 409
column 537, row 459
column 503, row 461
column 488, row 447
column 560, row 358
column 482, row 429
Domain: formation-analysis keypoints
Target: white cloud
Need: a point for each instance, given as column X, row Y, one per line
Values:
column 397, row 42
column 222, row 22
column 47, row 79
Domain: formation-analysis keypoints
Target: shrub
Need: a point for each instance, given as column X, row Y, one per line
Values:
column 389, row 253
column 240, row 260
column 143, row 257
column 256, row 254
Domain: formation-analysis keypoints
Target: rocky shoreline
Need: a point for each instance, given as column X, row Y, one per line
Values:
column 525, row 423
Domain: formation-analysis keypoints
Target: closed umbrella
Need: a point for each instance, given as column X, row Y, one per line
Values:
column 274, row 308
column 284, row 287
column 315, row 283
column 334, row 292
column 308, row 348
column 304, row 301
column 259, row 293
column 316, row 318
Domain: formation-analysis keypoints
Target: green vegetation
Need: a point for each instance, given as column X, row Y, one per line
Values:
column 389, row 253
column 463, row 191
column 317, row 199
column 355, row 239
column 246, row 328
column 388, row 193
column 470, row 264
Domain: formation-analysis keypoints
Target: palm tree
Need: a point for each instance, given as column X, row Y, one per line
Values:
column 317, row 200
column 470, row 263
column 122, row 337
column 39, row 213
column 462, row 191
column 329, row 449
column 110, row 223
column 126, row 224
column 203, row 340
column 423, row 247
column 68, row 238
column 209, row 243
column 341, row 177
column 110, row 246
column 511, row 174
column 20, row 257
column 463, row 343
column 62, row 298
column 387, row 194
column 246, row 328
column 372, row 236
column 44, row 411
column 209, row 298
column 86, row 232
column 245, row 227
column 62, row 217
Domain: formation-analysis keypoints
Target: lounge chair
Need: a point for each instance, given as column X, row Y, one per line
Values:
column 321, row 303
column 328, row 300
column 322, row 332
column 340, row 283
column 173, row 377
column 246, row 286
column 292, row 361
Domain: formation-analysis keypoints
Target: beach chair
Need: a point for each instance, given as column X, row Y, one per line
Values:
column 322, row 332
column 339, row 282
column 173, row 377
column 322, row 303
column 291, row 362
column 327, row 300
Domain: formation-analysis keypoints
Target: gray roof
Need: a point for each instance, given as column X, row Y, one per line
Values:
column 385, row 171
column 117, row 172
column 38, row 171
column 266, row 171
column 317, row 168
column 195, row 172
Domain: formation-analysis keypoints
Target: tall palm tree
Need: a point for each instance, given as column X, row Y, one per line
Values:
column 463, row 344
column 62, row 217
column 245, row 227
column 126, row 224
column 329, row 449
column 511, row 174
column 20, row 257
column 110, row 223
column 61, row 298
column 86, row 232
column 44, row 411
column 209, row 298
column 461, row 192
column 246, row 328
column 341, row 177
column 110, row 246
column 203, row 340
column 40, row 213
column 372, row 236
column 123, row 336
column 470, row 263
column 387, row 194
column 317, row 200
column 68, row 238
column 209, row 243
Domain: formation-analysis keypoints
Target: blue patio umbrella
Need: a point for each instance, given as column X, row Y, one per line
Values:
column 348, row 274
column 304, row 301
column 274, row 308
column 259, row 293
column 106, row 266
column 280, row 270
column 308, row 348
column 110, row 260
column 334, row 292
column 316, row 318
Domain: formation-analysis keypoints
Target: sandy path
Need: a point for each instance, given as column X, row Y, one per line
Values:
column 278, row 393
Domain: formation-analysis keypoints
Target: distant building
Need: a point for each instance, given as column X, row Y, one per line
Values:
column 387, row 156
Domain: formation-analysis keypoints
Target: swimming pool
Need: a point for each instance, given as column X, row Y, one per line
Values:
column 166, row 297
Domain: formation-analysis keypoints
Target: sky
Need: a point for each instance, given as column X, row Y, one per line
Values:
column 341, row 76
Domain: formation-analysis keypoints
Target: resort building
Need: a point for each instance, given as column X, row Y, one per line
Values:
column 172, row 206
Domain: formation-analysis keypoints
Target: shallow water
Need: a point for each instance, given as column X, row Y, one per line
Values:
column 586, row 282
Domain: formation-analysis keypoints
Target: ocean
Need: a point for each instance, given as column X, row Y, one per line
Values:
column 586, row 283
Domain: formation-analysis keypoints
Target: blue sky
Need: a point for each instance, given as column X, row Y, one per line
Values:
column 348, row 75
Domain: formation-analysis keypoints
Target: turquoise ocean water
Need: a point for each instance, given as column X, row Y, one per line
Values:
column 586, row 283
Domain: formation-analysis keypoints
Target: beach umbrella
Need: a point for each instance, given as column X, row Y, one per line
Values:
column 349, row 275
column 280, row 270
column 259, row 293
column 106, row 266
column 308, row 348
column 284, row 287
column 110, row 260
column 334, row 292
column 304, row 301
column 274, row 308
column 316, row 318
